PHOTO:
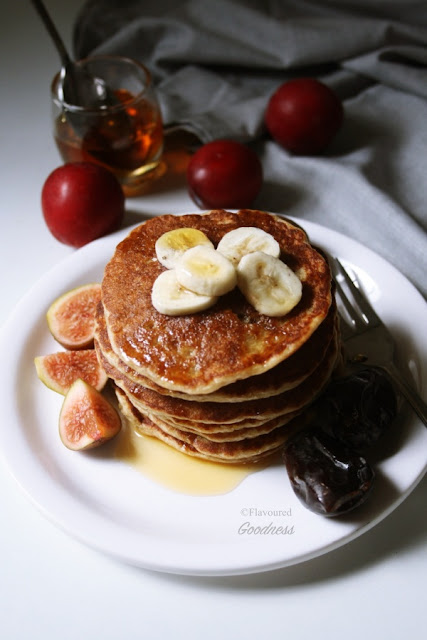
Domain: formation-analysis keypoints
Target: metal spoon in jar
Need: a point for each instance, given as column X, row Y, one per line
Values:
column 77, row 86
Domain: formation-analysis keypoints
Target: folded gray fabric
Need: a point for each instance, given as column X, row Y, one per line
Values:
column 216, row 63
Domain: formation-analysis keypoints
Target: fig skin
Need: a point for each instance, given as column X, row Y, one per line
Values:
column 71, row 317
column 58, row 371
column 87, row 419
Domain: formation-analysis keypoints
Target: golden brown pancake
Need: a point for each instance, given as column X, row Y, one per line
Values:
column 242, row 451
column 236, row 433
column 285, row 376
column 200, row 353
column 227, row 384
column 149, row 401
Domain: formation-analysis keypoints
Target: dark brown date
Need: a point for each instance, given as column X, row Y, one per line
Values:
column 357, row 409
column 327, row 477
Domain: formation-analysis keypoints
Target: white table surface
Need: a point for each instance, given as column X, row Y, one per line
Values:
column 54, row 587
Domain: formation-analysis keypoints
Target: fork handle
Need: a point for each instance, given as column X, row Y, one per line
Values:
column 414, row 399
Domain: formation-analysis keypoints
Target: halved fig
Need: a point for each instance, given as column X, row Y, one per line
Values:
column 59, row 370
column 87, row 419
column 71, row 317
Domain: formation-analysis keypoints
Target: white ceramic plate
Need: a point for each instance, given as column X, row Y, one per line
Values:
column 113, row 508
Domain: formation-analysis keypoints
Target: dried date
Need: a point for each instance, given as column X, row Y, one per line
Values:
column 327, row 477
column 357, row 409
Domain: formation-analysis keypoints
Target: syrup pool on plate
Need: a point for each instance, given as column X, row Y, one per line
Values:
column 178, row 471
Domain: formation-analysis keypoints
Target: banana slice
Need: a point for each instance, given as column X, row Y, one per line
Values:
column 268, row 284
column 205, row 271
column 172, row 244
column 243, row 240
column 171, row 298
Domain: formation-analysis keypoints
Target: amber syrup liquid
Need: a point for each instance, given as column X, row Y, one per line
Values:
column 128, row 142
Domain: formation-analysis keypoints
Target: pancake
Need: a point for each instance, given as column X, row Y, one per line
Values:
column 226, row 384
column 248, row 450
column 237, row 432
column 149, row 401
column 285, row 376
column 200, row 353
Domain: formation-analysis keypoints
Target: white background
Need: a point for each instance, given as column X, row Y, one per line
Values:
column 54, row 587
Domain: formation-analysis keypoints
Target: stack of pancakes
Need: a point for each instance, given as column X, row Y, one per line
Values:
column 228, row 383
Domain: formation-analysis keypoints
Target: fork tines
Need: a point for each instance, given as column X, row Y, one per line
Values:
column 356, row 305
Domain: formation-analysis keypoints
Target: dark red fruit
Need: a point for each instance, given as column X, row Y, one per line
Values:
column 328, row 478
column 358, row 409
column 303, row 115
column 82, row 201
column 224, row 174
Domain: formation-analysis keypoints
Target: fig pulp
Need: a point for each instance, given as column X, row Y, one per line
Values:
column 328, row 478
column 87, row 419
column 59, row 370
column 71, row 317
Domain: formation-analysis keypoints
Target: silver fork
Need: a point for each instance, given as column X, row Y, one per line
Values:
column 366, row 338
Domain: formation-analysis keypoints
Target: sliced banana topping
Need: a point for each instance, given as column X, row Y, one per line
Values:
column 205, row 271
column 268, row 284
column 198, row 273
column 172, row 244
column 239, row 242
column 171, row 298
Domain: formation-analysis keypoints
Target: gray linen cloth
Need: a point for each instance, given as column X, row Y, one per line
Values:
column 215, row 63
